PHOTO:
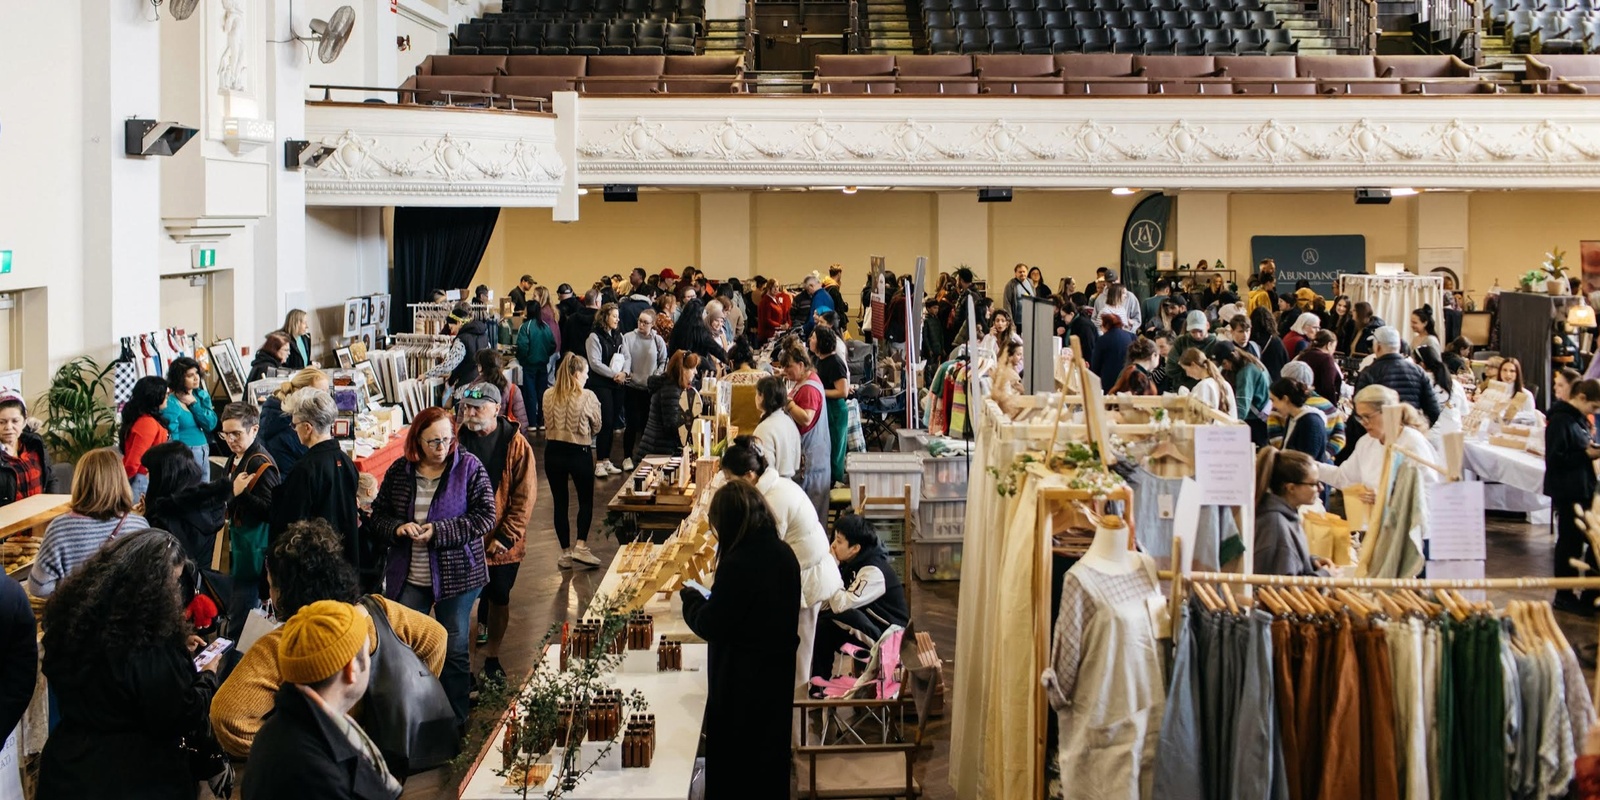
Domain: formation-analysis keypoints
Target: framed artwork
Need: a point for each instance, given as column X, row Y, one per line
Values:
column 380, row 312
column 358, row 352
column 366, row 311
column 263, row 389
column 344, row 426
column 352, row 316
column 345, row 360
column 1589, row 265
column 228, row 367
column 369, row 339
column 374, row 389
column 508, row 308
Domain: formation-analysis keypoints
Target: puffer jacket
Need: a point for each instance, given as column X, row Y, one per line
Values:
column 278, row 436
column 462, row 514
column 1407, row 379
column 475, row 336
column 660, row 437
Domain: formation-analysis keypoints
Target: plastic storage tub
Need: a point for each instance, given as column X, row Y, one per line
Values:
column 944, row 478
column 936, row 561
column 941, row 520
column 900, row 565
column 884, row 475
column 892, row 533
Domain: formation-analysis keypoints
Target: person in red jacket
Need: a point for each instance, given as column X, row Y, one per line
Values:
column 142, row 428
column 774, row 314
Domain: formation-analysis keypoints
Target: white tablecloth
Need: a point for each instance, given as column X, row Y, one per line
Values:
column 678, row 701
column 1514, row 478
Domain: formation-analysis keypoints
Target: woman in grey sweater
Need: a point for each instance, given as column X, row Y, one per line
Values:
column 1286, row 480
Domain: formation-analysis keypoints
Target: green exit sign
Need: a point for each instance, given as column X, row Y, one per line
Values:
column 5, row 262
column 203, row 257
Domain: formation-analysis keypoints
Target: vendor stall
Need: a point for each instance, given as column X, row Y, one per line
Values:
column 1513, row 479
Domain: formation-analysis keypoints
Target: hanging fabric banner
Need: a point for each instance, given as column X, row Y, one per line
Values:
column 1318, row 259
column 1142, row 240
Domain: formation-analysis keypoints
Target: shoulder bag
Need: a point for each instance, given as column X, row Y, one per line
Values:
column 246, row 546
column 405, row 712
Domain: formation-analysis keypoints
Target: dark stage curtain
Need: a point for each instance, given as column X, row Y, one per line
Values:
column 435, row 248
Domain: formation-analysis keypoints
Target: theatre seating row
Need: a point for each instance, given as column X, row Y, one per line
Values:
column 1575, row 74
column 1128, row 74
column 539, row 76
column 591, row 38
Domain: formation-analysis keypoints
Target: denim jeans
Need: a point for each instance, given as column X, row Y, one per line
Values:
column 202, row 457
column 535, row 381
column 455, row 614
column 246, row 596
column 140, row 484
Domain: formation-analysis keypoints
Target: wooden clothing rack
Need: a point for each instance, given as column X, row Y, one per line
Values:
column 1179, row 581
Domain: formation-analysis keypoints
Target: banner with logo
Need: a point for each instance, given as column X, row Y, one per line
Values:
column 1143, row 238
column 1318, row 259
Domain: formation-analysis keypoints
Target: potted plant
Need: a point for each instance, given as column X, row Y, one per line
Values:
column 1556, row 282
column 1530, row 279
column 77, row 410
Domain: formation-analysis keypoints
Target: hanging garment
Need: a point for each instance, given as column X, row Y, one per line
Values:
column 1311, row 704
column 1411, row 717
column 1151, row 494
column 1511, row 686
column 1283, row 676
column 1557, row 751
column 1342, row 775
column 1379, row 773
column 1258, row 766
column 1479, row 712
column 1398, row 551
column 1105, row 681
column 1177, row 769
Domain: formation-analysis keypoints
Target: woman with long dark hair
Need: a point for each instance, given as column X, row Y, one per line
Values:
column 492, row 370
column 536, row 342
column 1305, row 430
column 1446, row 389
column 1264, row 334
column 749, row 622
column 1251, row 386
column 1342, row 321
column 118, row 654
column 188, row 413
column 1136, row 378
column 1424, row 332
column 690, row 333
column 142, row 428
column 180, row 502
column 1364, row 323
column 672, row 402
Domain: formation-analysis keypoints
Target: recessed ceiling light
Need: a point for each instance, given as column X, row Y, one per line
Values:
column 1123, row 190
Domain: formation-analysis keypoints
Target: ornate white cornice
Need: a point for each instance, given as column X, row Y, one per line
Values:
column 392, row 155
column 1168, row 142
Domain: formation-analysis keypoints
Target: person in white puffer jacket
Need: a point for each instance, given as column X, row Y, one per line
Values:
column 800, row 528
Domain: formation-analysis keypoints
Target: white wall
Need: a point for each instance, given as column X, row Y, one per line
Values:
column 347, row 251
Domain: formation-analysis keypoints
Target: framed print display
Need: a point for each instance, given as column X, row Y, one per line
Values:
column 344, row 426
column 366, row 311
column 374, row 389
column 380, row 312
column 358, row 352
column 369, row 338
column 228, row 368
column 352, row 317
column 1589, row 264
column 345, row 360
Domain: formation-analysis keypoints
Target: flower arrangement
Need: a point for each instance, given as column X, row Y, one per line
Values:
column 1075, row 455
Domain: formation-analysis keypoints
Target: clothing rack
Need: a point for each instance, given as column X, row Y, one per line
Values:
column 1383, row 583
column 430, row 318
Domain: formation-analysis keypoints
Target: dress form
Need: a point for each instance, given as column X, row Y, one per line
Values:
column 1109, row 551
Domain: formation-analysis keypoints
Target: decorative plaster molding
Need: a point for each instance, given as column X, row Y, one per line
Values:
column 388, row 155
column 1168, row 142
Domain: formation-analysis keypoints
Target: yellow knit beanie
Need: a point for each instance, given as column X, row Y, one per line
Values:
column 320, row 640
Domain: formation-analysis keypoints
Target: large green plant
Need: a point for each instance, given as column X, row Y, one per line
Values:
column 77, row 410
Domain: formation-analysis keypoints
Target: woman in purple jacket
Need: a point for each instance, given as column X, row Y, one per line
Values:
column 433, row 512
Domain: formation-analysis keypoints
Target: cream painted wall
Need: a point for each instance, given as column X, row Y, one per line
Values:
column 347, row 251
column 794, row 233
column 1511, row 232
column 1388, row 228
column 661, row 230
column 1061, row 233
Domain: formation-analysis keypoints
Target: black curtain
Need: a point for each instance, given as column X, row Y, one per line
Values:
column 435, row 248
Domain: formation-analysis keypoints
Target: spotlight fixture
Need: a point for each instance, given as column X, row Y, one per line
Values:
column 301, row 154
column 620, row 193
column 1123, row 190
column 1373, row 197
column 994, row 194
column 147, row 137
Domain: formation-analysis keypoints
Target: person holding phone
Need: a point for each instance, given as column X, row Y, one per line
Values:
column 498, row 443
column 126, row 684
column 434, row 511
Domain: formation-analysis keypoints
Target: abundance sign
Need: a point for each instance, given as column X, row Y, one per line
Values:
column 1318, row 259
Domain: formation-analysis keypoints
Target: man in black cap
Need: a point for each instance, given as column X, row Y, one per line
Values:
column 577, row 320
column 519, row 295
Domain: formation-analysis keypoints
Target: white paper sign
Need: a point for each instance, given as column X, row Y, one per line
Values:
column 1455, row 529
column 1225, row 465
column 10, row 769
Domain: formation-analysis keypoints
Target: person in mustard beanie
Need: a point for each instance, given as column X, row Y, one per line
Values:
column 310, row 748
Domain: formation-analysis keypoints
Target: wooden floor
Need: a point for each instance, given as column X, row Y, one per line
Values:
column 546, row 595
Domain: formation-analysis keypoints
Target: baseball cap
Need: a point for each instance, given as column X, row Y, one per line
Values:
column 564, row 290
column 1196, row 321
column 669, row 273
column 480, row 393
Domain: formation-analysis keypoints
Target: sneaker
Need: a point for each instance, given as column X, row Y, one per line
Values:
column 600, row 470
column 612, row 468
column 493, row 672
column 583, row 555
column 627, row 465
column 565, row 561
column 483, row 634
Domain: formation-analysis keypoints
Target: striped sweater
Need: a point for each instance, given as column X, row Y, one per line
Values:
column 69, row 540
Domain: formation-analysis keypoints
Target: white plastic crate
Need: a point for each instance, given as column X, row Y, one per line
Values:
column 892, row 533
column 936, row 561
column 944, row 478
column 941, row 520
column 884, row 475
